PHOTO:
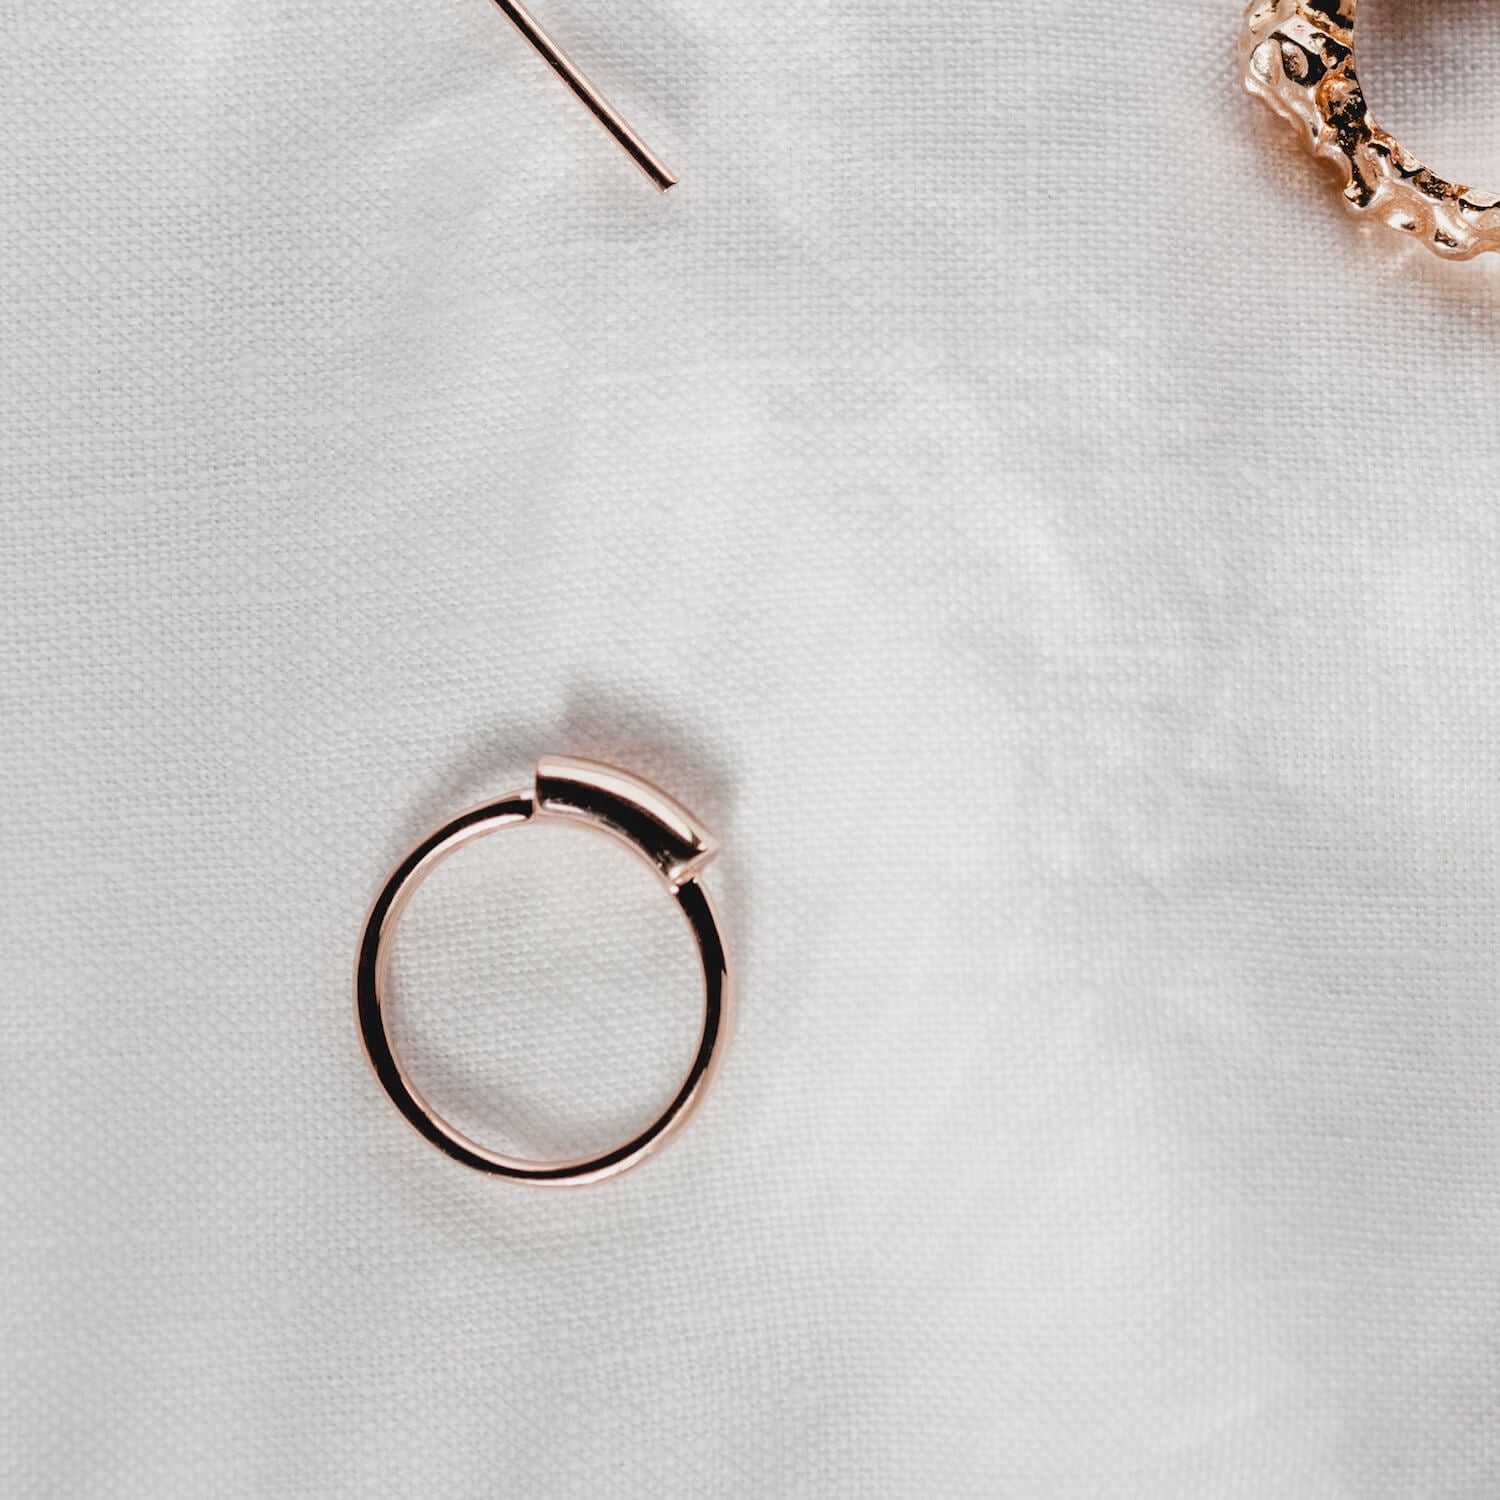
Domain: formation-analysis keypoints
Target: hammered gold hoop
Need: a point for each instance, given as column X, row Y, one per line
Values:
column 650, row 824
column 1299, row 60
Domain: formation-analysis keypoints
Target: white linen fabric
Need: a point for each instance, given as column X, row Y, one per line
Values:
column 1005, row 497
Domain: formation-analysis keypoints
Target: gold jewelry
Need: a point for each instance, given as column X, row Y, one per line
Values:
column 647, row 822
column 1299, row 60
column 594, row 101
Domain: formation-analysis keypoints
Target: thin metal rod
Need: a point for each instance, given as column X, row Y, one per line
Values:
column 600, row 107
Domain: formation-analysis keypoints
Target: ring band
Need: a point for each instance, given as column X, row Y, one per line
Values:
column 646, row 821
column 1299, row 60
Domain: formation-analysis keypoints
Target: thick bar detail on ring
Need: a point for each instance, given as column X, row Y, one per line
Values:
column 633, row 813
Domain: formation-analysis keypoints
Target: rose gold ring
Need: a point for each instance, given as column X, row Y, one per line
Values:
column 1299, row 60
column 650, row 824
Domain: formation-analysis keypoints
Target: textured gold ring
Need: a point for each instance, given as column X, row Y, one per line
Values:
column 1299, row 60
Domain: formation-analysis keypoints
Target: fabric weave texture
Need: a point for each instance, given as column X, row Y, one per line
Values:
column 1003, row 495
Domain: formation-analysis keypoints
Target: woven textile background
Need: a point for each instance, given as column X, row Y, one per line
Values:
column 1004, row 496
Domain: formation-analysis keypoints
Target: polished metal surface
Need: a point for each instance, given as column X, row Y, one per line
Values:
column 600, row 107
column 1299, row 60
column 621, row 807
